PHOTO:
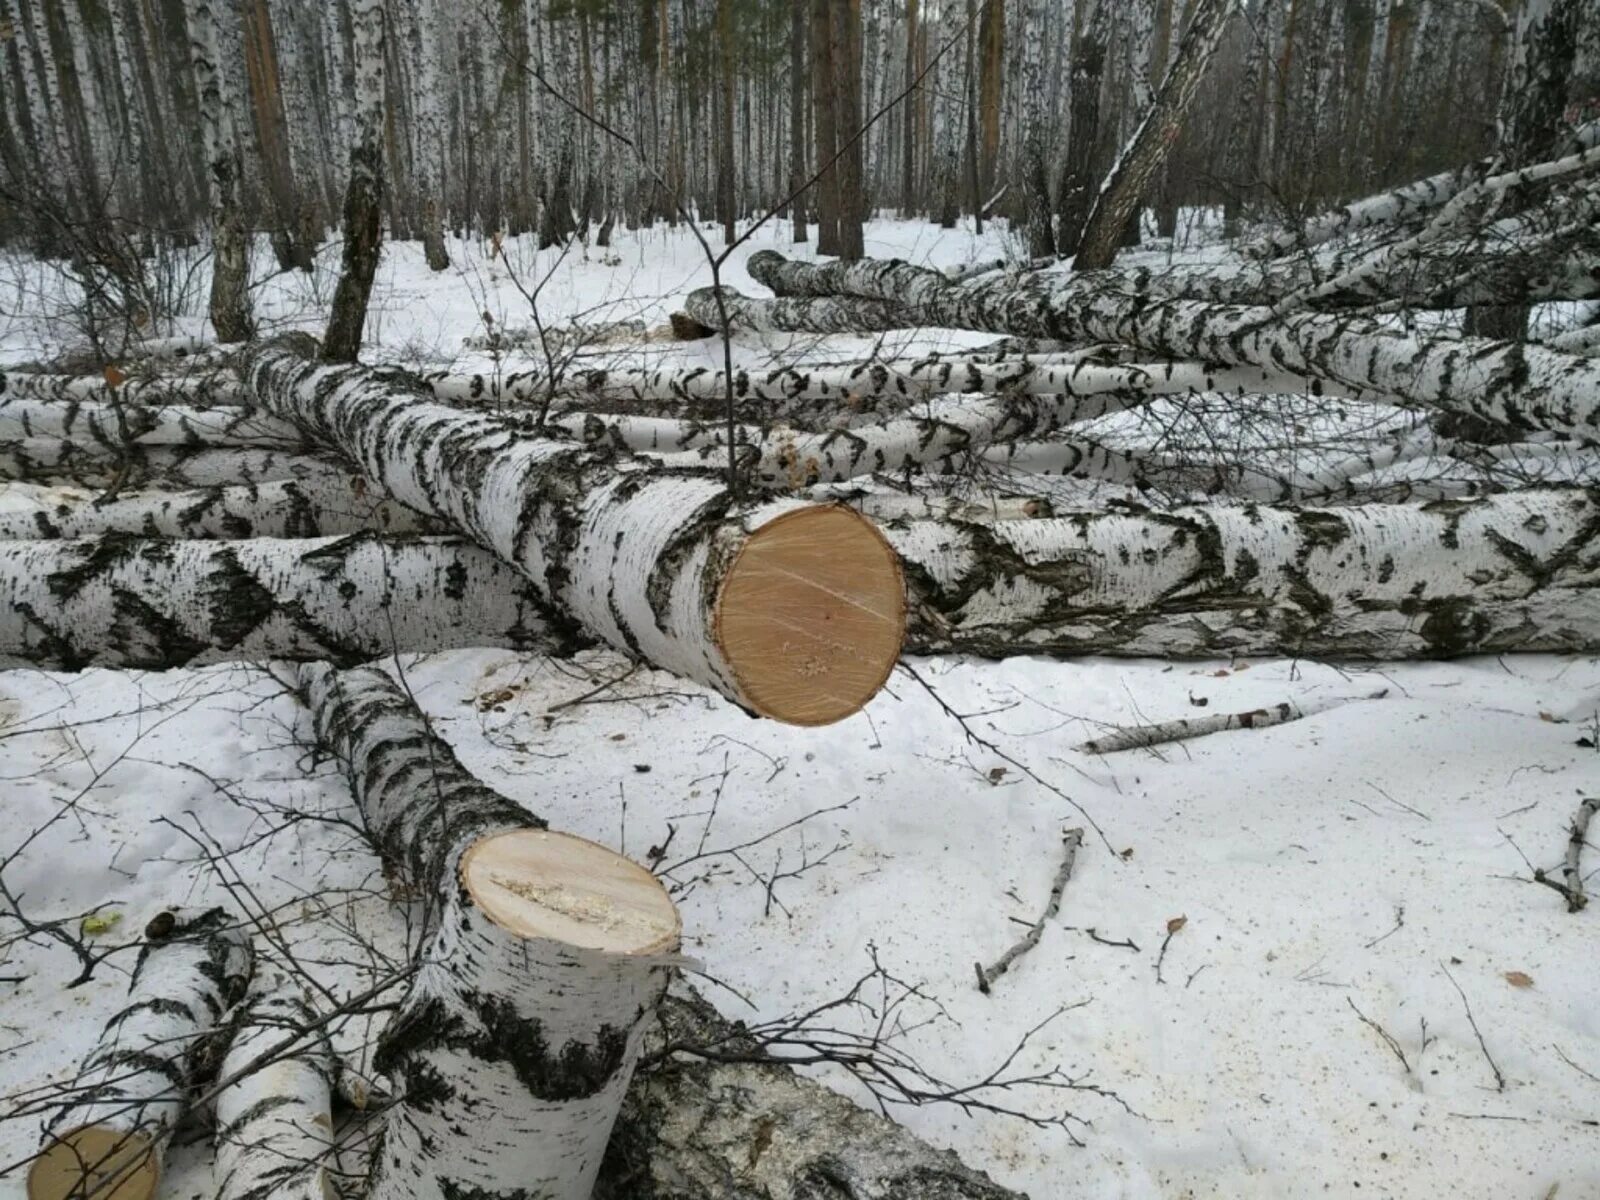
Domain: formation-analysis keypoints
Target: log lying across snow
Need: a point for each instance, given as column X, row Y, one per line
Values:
column 795, row 611
column 693, row 1129
column 122, row 601
column 109, row 1136
column 274, row 1122
column 53, row 461
column 1510, row 572
column 519, row 1035
column 113, row 426
column 1524, row 386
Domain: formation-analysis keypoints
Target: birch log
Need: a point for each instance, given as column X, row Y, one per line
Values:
column 1524, row 386
column 208, row 388
column 112, row 426
column 1512, row 572
column 758, row 1130
column 156, row 604
column 49, row 461
column 108, row 1139
column 793, row 610
column 323, row 506
column 855, row 393
column 519, row 1035
column 274, row 1127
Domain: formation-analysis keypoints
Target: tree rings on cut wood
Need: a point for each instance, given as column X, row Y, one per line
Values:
column 96, row 1162
column 539, row 884
column 811, row 615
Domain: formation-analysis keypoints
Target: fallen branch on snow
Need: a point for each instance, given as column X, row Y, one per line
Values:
column 1136, row 737
column 1071, row 840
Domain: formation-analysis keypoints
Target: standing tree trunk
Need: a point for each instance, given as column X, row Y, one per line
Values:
column 726, row 203
column 430, row 138
column 1035, row 186
column 1532, row 107
column 792, row 610
column 109, row 1138
column 1123, row 189
column 824, row 126
column 908, row 135
column 846, row 38
column 548, row 954
column 1074, row 195
column 230, row 267
column 797, row 116
column 363, row 198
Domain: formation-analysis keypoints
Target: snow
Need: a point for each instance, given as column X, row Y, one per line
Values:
column 1292, row 852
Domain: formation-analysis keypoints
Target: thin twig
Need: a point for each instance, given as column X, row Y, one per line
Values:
column 1070, row 841
column 1499, row 1079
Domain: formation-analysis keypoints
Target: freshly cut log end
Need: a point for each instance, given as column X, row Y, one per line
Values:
column 96, row 1163
column 811, row 615
column 539, row 884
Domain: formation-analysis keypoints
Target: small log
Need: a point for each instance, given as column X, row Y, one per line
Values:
column 108, row 1139
column 275, row 1123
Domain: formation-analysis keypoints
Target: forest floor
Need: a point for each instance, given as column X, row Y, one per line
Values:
column 1360, row 867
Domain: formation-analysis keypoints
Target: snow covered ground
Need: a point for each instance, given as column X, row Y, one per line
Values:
column 1365, row 862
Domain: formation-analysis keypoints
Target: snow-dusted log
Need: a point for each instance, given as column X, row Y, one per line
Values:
column 518, row 1038
column 317, row 507
column 115, row 425
column 1524, row 386
column 1398, row 205
column 50, row 461
column 275, row 1123
column 207, row 388
column 109, row 1136
column 793, row 610
column 151, row 603
column 742, row 1130
column 808, row 314
column 1510, row 572
column 1120, row 194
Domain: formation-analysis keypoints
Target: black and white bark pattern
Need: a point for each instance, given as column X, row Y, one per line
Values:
column 230, row 242
column 113, row 426
column 1525, row 387
column 630, row 553
column 274, row 1123
column 50, row 461
column 202, row 388
column 151, row 603
column 758, row 1130
column 513, row 1053
column 854, row 393
column 317, row 507
column 193, row 967
column 1511, row 572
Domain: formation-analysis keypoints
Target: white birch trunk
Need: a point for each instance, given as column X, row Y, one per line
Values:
column 114, row 425
column 518, row 1038
column 1513, row 572
column 660, row 565
column 119, row 601
column 230, row 278
column 275, row 1123
column 53, row 461
column 221, row 388
column 1526, row 387
column 110, row 1135
column 322, row 506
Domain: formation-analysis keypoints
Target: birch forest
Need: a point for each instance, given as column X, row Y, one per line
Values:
column 843, row 600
